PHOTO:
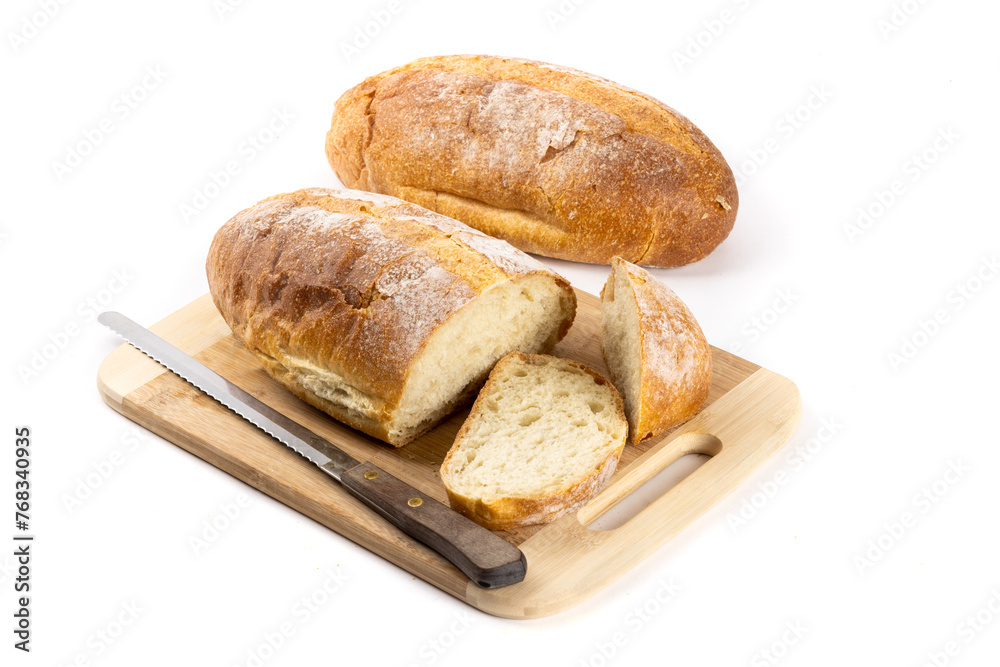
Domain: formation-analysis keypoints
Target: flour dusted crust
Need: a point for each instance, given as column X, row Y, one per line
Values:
column 338, row 294
column 675, row 368
column 557, row 161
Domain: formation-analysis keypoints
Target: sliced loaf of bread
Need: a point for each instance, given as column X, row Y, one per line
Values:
column 382, row 314
column 543, row 437
column 655, row 350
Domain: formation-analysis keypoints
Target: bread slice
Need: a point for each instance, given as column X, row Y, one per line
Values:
column 655, row 351
column 542, row 439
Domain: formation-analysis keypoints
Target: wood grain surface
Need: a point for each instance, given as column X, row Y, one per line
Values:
column 750, row 413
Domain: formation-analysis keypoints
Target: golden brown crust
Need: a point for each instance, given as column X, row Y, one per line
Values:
column 556, row 161
column 353, row 284
column 509, row 513
column 513, row 511
column 676, row 374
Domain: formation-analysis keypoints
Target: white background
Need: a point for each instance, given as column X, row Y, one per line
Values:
column 824, row 553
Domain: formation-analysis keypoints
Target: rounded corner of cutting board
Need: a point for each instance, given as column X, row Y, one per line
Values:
column 792, row 395
column 125, row 369
column 116, row 377
column 106, row 386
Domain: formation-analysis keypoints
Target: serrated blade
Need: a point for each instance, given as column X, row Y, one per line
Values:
column 291, row 434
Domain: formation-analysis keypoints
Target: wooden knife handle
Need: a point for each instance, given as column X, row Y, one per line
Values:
column 487, row 559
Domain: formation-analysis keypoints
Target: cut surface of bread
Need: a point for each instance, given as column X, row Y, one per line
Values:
column 655, row 350
column 382, row 314
column 521, row 314
column 543, row 437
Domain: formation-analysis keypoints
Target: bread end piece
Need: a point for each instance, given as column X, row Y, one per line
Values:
column 655, row 350
column 543, row 437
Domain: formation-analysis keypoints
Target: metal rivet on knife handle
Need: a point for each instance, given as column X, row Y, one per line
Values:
column 486, row 558
column 371, row 474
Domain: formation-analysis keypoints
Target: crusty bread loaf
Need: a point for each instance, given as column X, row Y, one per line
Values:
column 543, row 437
column 655, row 351
column 381, row 313
column 558, row 162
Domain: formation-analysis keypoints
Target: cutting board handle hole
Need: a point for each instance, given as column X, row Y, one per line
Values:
column 674, row 464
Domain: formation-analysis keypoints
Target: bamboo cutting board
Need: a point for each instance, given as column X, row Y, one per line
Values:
column 750, row 413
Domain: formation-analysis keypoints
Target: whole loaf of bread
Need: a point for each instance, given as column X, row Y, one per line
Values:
column 383, row 314
column 556, row 161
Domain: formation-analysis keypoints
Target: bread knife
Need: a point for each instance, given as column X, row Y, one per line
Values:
column 486, row 558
